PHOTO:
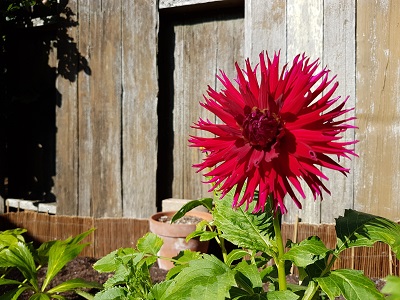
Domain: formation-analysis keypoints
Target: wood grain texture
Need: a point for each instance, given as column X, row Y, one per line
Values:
column 339, row 56
column 139, row 107
column 105, row 109
column 66, row 181
column 85, row 114
column 377, row 181
column 196, row 64
column 265, row 28
column 304, row 35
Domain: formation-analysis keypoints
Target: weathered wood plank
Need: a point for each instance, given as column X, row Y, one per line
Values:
column 304, row 37
column 105, row 108
column 85, row 113
column 195, row 68
column 139, row 107
column 377, row 180
column 66, row 181
column 196, row 64
column 265, row 28
column 339, row 55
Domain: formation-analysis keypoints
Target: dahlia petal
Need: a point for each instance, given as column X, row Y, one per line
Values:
column 276, row 129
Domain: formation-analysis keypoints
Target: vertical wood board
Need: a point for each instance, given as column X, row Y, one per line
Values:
column 66, row 181
column 196, row 64
column 377, row 183
column 139, row 108
column 304, row 35
column 265, row 28
column 105, row 108
column 85, row 114
column 339, row 56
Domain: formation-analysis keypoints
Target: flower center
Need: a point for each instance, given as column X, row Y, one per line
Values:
column 261, row 127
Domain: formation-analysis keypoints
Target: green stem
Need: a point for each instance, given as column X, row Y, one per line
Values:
column 221, row 242
column 280, row 263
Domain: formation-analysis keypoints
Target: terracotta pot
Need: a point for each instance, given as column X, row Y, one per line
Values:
column 174, row 236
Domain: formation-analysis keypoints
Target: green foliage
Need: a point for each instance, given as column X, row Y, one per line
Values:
column 243, row 273
column 15, row 253
column 352, row 284
column 392, row 287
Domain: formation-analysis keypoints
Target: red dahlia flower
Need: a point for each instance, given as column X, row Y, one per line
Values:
column 274, row 132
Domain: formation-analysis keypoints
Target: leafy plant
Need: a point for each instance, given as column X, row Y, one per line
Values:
column 275, row 131
column 245, row 272
column 16, row 253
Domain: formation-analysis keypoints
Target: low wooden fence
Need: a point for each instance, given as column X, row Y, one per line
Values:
column 114, row 233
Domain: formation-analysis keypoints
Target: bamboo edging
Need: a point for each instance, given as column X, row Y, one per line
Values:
column 113, row 233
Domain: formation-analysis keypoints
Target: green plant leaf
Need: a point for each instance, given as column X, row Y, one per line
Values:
column 282, row 295
column 40, row 296
column 9, row 237
column 248, row 277
column 150, row 244
column 159, row 289
column 84, row 294
column 357, row 229
column 62, row 252
column 352, row 284
column 107, row 263
column 307, row 252
column 5, row 281
column 204, row 235
column 111, row 293
column 392, row 288
column 244, row 229
column 72, row 284
column 183, row 258
column 235, row 254
column 19, row 256
column 206, row 202
column 204, row 279
column 14, row 294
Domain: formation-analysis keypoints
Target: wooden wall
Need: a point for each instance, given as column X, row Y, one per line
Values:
column 357, row 40
column 124, row 120
column 107, row 120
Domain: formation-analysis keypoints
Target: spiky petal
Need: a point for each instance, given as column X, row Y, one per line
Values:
column 276, row 131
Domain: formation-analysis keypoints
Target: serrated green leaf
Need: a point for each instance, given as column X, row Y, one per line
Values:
column 244, row 229
column 307, row 252
column 107, row 263
column 204, row 279
column 282, row 295
column 248, row 277
column 149, row 243
column 357, row 229
column 73, row 284
column 352, row 284
column 392, row 288
column 183, row 258
column 111, row 294
column 206, row 202
column 204, row 235
column 19, row 256
column 159, row 289
column 235, row 255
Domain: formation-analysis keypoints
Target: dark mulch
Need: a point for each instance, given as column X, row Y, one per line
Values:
column 82, row 267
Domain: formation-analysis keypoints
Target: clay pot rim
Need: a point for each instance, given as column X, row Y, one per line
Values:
column 177, row 230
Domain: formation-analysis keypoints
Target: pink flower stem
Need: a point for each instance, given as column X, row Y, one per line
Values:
column 280, row 263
